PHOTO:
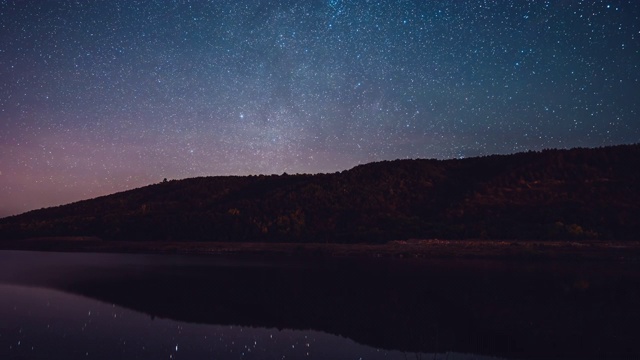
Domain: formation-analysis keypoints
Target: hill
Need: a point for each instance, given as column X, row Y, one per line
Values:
column 549, row 195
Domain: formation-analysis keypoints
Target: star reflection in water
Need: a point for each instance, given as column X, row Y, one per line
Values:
column 41, row 323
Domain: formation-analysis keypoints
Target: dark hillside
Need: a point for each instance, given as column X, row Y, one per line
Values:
column 553, row 194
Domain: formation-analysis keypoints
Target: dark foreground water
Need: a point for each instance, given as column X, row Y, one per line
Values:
column 102, row 306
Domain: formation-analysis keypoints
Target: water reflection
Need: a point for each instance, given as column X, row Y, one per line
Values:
column 144, row 306
column 40, row 323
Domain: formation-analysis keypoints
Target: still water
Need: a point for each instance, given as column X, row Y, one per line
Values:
column 120, row 306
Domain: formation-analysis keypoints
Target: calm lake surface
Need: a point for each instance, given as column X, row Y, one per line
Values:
column 122, row 306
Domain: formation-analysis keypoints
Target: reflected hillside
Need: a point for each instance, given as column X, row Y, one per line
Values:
column 525, row 311
column 86, row 328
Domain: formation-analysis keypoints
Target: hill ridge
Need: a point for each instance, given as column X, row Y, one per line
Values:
column 581, row 193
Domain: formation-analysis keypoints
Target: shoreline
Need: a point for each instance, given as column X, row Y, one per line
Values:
column 628, row 252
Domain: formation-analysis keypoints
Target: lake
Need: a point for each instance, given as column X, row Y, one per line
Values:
column 125, row 306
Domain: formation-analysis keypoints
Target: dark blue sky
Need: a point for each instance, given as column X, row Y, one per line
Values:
column 103, row 96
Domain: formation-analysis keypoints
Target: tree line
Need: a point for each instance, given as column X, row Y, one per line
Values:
column 547, row 195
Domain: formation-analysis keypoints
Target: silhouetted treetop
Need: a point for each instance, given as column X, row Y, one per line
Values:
column 552, row 194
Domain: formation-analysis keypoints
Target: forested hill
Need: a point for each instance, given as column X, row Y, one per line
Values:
column 553, row 194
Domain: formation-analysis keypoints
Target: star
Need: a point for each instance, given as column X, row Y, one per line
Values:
column 114, row 90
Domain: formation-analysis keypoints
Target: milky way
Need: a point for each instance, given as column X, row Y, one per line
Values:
column 103, row 96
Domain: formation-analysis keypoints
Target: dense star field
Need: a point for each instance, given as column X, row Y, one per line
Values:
column 103, row 96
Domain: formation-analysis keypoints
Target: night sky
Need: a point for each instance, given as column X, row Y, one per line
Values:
column 103, row 96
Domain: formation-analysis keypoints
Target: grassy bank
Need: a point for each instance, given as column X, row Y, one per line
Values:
column 413, row 249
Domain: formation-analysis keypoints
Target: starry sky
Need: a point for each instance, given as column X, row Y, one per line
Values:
column 99, row 96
